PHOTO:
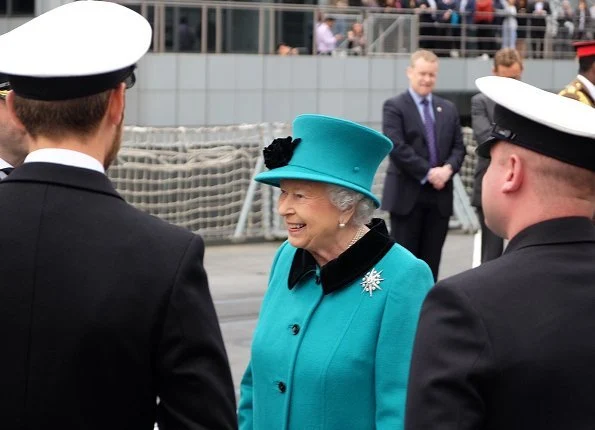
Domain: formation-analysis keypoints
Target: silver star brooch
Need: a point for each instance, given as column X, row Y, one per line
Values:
column 371, row 282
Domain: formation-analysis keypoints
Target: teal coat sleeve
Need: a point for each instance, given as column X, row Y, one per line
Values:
column 245, row 407
column 395, row 344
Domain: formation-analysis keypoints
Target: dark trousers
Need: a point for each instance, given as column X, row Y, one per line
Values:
column 537, row 44
column 422, row 231
column 492, row 245
column 487, row 45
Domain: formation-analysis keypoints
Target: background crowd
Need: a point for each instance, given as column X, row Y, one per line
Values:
column 468, row 27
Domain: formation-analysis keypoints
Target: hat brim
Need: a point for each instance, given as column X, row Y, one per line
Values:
column 274, row 177
column 483, row 149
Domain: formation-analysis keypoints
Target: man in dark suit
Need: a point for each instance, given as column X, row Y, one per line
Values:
column 428, row 151
column 13, row 141
column 105, row 313
column 509, row 64
column 509, row 344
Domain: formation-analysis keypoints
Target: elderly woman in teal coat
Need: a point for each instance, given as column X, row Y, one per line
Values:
column 333, row 343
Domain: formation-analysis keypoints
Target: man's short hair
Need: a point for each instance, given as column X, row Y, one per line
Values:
column 506, row 57
column 425, row 54
column 58, row 119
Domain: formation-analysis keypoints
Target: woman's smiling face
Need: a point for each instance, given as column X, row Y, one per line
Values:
column 311, row 219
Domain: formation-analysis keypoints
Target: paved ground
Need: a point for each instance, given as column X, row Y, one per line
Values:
column 238, row 277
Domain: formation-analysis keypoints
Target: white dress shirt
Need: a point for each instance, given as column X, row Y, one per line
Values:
column 66, row 157
column 4, row 165
column 325, row 39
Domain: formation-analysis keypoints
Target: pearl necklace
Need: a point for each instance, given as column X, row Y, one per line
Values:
column 358, row 235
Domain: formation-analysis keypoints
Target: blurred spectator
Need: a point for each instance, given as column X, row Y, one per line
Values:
column 341, row 25
column 426, row 9
column 393, row 5
column 186, row 36
column 356, row 41
column 509, row 25
column 466, row 11
column 326, row 41
column 284, row 49
column 583, row 21
column 484, row 18
column 448, row 28
column 539, row 10
column 522, row 29
column 565, row 32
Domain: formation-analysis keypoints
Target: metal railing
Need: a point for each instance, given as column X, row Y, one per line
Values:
column 257, row 28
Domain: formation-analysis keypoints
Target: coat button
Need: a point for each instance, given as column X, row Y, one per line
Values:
column 282, row 387
column 295, row 329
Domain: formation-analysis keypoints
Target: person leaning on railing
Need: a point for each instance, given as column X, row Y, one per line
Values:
column 356, row 40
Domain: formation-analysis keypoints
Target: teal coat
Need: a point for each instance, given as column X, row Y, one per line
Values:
column 327, row 355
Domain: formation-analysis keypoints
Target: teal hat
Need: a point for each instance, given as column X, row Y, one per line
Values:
column 327, row 149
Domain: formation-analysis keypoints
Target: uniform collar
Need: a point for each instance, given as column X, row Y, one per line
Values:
column 588, row 85
column 347, row 267
column 554, row 231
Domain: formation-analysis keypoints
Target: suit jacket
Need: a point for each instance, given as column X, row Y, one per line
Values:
column 103, row 308
column 341, row 354
column 509, row 345
column 409, row 159
column 577, row 91
column 482, row 118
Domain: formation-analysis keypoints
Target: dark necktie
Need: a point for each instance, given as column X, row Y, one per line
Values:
column 430, row 133
column 7, row 170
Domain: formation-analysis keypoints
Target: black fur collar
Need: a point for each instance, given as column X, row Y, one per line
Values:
column 349, row 266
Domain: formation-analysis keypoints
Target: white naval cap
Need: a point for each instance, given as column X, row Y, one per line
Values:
column 75, row 50
column 541, row 121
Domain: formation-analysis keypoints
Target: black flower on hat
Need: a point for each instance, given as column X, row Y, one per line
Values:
column 279, row 152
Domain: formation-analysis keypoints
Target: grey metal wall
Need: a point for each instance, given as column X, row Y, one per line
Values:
column 197, row 90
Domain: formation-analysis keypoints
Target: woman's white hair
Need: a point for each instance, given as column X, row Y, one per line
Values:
column 344, row 198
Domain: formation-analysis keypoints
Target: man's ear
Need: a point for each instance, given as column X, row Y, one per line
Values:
column 514, row 173
column 115, row 109
column 11, row 112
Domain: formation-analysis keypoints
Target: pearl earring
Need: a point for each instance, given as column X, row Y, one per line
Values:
column 341, row 225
